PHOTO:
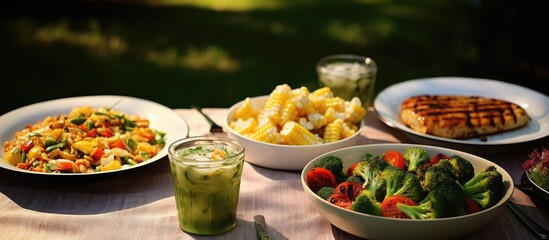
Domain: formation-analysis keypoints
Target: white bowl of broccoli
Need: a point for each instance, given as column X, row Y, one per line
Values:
column 450, row 197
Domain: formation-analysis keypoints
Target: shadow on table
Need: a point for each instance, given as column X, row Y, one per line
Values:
column 88, row 194
column 342, row 235
column 244, row 230
column 288, row 177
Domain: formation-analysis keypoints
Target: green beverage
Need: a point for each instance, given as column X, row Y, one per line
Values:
column 206, row 175
column 348, row 76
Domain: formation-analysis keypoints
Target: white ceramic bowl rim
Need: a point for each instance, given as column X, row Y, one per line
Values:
column 235, row 106
column 503, row 199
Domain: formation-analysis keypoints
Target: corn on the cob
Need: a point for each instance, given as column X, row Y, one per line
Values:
column 303, row 104
column 302, row 91
column 295, row 134
column 318, row 112
column 247, row 110
column 336, row 103
column 244, row 126
column 268, row 133
column 347, row 130
column 324, row 93
column 301, row 98
column 332, row 132
column 318, row 120
column 289, row 113
column 354, row 111
column 331, row 115
column 275, row 103
column 318, row 98
column 318, row 104
column 303, row 121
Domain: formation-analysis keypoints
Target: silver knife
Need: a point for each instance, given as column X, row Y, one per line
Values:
column 261, row 228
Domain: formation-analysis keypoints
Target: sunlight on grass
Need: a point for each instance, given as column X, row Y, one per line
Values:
column 223, row 5
column 100, row 44
column 278, row 28
column 353, row 33
column 92, row 38
column 210, row 58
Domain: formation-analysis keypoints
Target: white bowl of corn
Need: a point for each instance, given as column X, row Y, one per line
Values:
column 289, row 127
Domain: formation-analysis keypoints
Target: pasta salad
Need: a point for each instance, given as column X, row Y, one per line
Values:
column 84, row 141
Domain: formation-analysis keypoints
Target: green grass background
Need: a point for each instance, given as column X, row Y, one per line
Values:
column 214, row 53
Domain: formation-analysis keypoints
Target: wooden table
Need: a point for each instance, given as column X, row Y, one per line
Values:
column 139, row 203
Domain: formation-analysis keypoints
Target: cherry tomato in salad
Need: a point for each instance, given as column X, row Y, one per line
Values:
column 83, row 127
column 472, row 206
column 97, row 153
column 118, row 144
column 319, row 177
column 107, row 132
column 351, row 169
column 389, row 208
column 26, row 147
column 395, row 158
column 438, row 157
column 351, row 189
column 340, row 200
column 92, row 133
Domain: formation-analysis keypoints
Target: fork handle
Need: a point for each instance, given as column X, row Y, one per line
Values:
column 210, row 121
column 536, row 229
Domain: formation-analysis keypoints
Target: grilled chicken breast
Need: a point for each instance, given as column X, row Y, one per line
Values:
column 461, row 117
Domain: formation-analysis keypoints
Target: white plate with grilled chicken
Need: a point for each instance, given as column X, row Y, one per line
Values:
column 532, row 106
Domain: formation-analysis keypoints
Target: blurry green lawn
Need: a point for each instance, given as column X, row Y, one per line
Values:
column 215, row 53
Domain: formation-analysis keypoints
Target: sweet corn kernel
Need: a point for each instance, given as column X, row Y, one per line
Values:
column 268, row 134
column 289, row 112
column 247, row 110
column 354, row 112
column 295, row 134
column 333, row 130
column 275, row 103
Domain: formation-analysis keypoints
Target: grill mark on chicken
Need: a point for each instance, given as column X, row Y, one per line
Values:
column 461, row 116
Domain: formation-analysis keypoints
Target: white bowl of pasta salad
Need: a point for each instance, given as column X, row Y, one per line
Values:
column 280, row 136
column 87, row 135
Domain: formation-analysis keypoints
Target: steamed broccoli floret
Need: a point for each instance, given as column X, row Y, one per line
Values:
column 393, row 177
column 444, row 201
column 411, row 188
column 325, row 192
column 438, row 174
column 421, row 169
column 369, row 168
column 485, row 187
column 463, row 169
column 333, row 164
column 377, row 183
column 486, row 199
column 355, row 178
column 487, row 179
column 455, row 167
column 457, row 205
column 366, row 203
column 371, row 157
column 414, row 156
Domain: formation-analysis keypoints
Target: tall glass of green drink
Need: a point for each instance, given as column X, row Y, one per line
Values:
column 206, row 175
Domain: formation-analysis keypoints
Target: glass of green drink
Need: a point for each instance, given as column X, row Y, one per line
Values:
column 348, row 76
column 206, row 175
